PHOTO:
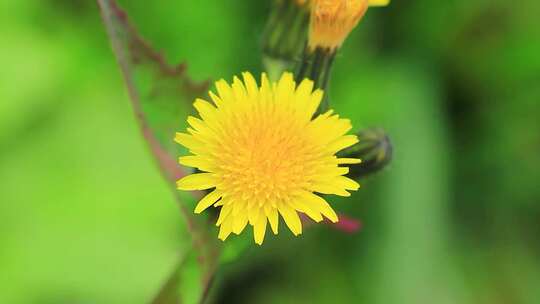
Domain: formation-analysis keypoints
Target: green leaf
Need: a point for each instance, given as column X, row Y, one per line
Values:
column 161, row 97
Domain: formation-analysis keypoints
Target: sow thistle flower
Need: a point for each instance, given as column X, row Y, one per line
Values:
column 333, row 20
column 263, row 155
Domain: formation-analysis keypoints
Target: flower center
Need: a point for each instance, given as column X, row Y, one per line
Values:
column 267, row 162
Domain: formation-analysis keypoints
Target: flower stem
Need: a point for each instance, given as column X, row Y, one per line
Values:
column 284, row 37
column 317, row 65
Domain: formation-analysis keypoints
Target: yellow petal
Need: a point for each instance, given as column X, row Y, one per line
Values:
column 221, row 202
column 216, row 99
column 251, row 84
column 223, row 214
column 307, row 209
column 267, row 208
column 239, row 91
column 239, row 223
column 239, row 207
column 291, row 218
column 327, row 188
column 303, row 93
column 207, row 201
column 330, row 171
column 348, row 161
column 378, row 2
column 200, row 126
column 343, row 142
column 253, row 214
column 318, row 203
column 259, row 230
column 198, row 181
column 328, row 128
column 205, row 109
column 274, row 220
column 346, row 183
column 204, row 164
column 225, row 91
column 225, row 229
column 313, row 103
column 188, row 141
column 285, row 88
column 265, row 85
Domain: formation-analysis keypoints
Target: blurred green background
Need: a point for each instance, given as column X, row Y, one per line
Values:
column 86, row 218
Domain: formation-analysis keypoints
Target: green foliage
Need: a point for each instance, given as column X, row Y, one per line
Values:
column 86, row 218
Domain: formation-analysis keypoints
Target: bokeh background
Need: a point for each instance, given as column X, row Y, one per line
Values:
column 86, row 218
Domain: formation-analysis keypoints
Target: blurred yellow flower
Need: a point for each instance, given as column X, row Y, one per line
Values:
column 333, row 20
column 263, row 154
column 371, row 2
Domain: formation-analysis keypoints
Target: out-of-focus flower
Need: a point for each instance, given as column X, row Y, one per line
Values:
column 332, row 20
column 263, row 154
column 371, row 2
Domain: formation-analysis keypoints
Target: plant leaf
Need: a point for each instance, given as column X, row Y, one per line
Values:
column 161, row 97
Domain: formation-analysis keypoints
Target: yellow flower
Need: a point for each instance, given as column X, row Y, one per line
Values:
column 333, row 20
column 263, row 154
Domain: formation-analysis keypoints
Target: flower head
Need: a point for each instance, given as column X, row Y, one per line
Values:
column 263, row 155
column 333, row 20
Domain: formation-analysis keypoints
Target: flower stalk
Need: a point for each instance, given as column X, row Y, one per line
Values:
column 285, row 36
column 331, row 21
column 317, row 65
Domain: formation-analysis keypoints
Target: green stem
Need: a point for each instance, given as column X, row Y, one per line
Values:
column 285, row 36
column 317, row 65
